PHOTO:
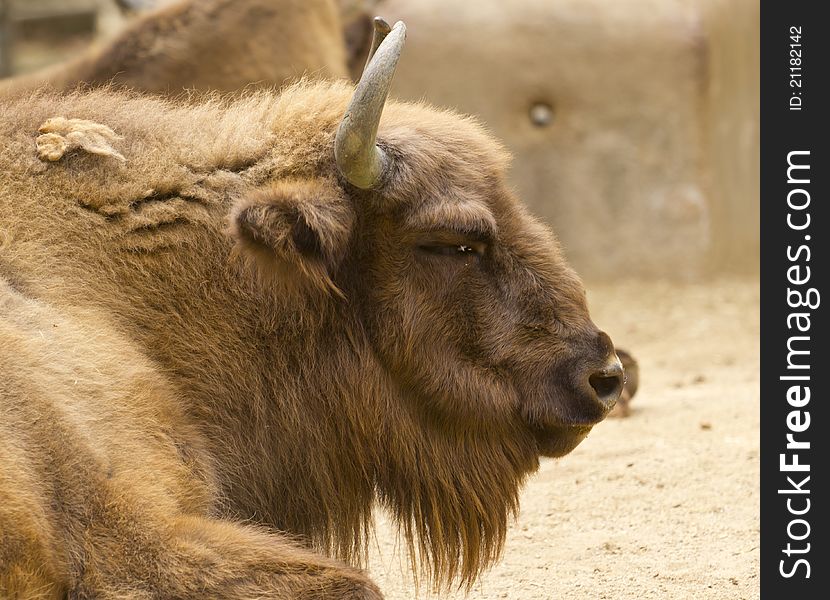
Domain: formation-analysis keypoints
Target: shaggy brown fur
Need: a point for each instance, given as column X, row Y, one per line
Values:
column 222, row 45
column 168, row 416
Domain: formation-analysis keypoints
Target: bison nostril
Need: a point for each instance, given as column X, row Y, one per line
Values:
column 608, row 383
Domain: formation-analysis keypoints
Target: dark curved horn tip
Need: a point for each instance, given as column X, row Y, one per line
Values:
column 381, row 26
column 382, row 29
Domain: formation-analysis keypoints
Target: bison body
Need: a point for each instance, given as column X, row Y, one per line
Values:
column 219, row 45
column 218, row 353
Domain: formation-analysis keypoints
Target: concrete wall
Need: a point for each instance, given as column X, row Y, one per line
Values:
column 733, row 130
column 634, row 123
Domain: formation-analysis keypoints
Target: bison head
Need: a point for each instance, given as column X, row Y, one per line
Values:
column 477, row 346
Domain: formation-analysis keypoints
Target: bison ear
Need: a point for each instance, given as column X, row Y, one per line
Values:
column 295, row 231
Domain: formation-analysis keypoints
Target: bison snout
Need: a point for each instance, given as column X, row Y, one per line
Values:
column 607, row 383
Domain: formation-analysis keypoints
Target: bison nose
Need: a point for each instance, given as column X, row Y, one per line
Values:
column 607, row 382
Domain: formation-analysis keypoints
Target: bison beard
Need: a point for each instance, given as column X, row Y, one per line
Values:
column 174, row 425
column 456, row 519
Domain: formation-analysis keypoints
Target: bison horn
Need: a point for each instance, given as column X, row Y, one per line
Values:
column 359, row 159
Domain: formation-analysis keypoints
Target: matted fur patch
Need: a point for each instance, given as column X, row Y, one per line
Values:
column 60, row 136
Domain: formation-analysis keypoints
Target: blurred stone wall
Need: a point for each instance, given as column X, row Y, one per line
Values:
column 5, row 39
column 633, row 123
column 733, row 129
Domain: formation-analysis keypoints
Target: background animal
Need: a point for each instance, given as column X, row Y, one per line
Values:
column 223, row 45
column 187, row 413
column 632, row 383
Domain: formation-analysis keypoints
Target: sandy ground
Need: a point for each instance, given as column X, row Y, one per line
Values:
column 662, row 504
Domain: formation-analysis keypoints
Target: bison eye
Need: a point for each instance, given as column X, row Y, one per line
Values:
column 453, row 249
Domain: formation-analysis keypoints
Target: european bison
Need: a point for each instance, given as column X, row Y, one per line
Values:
column 222, row 45
column 198, row 405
